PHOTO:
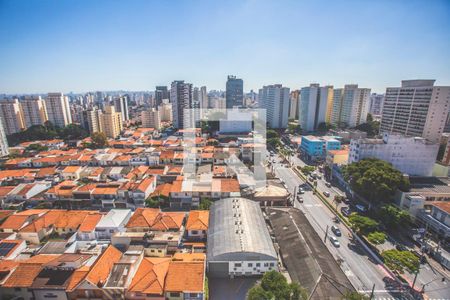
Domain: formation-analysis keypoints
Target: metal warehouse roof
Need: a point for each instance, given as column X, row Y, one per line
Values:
column 237, row 228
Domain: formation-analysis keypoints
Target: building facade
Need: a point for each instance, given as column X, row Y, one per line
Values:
column 350, row 106
column 275, row 100
column 58, row 109
column 151, row 119
column 315, row 148
column 313, row 108
column 234, row 92
column 294, row 104
column 181, row 99
column 414, row 156
column 111, row 122
column 11, row 116
column 161, row 93
column 94, row 120
column 3, row 142
column 376, row 105
column 34, row 111
column 417, row 108
column 121, row 106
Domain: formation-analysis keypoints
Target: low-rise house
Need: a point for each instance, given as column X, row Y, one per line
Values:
column 71, row 173
column 19, row 220
column 86, row 231
column 11, row 248
column 436, row 217
column 41, row 227
column 153, row 219
column 25, row 192
column 197, row 224
column 180, row 286
column 114, row 221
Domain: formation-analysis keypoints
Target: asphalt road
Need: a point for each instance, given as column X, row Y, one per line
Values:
column 361, row 270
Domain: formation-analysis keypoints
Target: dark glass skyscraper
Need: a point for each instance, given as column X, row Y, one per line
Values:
column 235, row 92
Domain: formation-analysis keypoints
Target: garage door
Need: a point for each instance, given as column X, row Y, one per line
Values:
column 218, row 269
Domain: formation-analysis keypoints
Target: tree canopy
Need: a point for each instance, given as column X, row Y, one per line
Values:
column 324, row 127
column 375, row 179
column 371, row 127
column 401, row 260
column 99, row 140
column 205, row 204
column 362, row 224
column 354, row 296
column 275, row 286
column 391, row 215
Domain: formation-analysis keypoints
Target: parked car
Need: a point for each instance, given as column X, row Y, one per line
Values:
column 301, row 190
column 327, row 184
column 361, row 208
column 334, row 241
column 300, row 199
column 327, row 194
column 346, row 211
column 336, row 230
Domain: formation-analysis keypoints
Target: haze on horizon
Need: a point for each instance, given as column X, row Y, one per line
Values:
column 85, row 45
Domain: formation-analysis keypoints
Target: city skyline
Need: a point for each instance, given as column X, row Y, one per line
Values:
column 83, row 46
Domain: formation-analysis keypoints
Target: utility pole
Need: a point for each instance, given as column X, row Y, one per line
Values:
column 326, row 235
column 371, row 293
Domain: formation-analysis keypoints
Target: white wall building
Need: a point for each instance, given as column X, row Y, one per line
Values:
column 11, row 116
column 58, row 109
column 350, row 105
column 34, row 111
column 414, row 156
column 4, row 148
column 151, row 119
column 275, row 99
column 114, row 221
column 417, row 108
column 376, row 104
column 237, row 121
column 313, row 108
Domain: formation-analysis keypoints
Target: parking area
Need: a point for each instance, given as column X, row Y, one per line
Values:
column 304, row 255
column 225, row 288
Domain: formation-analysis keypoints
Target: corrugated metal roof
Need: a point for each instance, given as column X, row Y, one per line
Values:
column 236, row 225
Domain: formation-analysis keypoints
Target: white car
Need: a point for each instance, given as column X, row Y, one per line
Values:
column 326, row 194
column 327, row 184
column 334, row 241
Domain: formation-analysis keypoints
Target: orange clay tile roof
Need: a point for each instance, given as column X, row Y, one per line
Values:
column 4, row 190
column 180, row 256
column 145, row 183
column 150, row 276
column 154, row 219
column 6, row 265
column 175, row 170
column 71, row 219
column 31, row 212
column 46, row 172
column 5, row 213
column 71, row 169
column 198, row 220
column 166, row 155
column 27, row 271
column 44, row 221
column 162, row 189
column 143, row 217
column 103, row 266
column 225, row 185
column 207, row 155
column 177, row 281
column 168, row 221
column 105, row 190
column 14, row 222
column 77, row 277
column 442, row 205
column 89, row 223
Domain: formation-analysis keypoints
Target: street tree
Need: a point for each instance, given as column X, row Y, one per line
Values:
column 392, row 216
column 99, row 140
column 362, row 224
column 275, row 286
column 400, row 261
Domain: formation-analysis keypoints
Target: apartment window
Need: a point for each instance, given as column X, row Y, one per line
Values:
column 250, row 265
column 258, row 264
column 272, row 264
column 237, row 265
column 172, row 294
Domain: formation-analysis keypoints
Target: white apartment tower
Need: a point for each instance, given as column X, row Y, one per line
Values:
column 121, row 106
column 3, row 142
column 275, row 99
column 11, row 116
column 294, row 104
column 350, row 106
column 414, row 156
column 165, row 111
column 94, row 120
column 313, row 108
column 58, row 109
column 417, row 108
column 181, row 99
column 34, row 111
column 376, row 104
column 150, row 119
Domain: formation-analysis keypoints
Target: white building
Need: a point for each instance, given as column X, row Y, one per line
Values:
column 165, row 111
column 114, row 221
column 313, row 108
column 237, row 121
column 11, row 116
column 151, row 119
column 417, row 108
column 414, row 156
column 294, row 104
column 58, row 109
column 94, row 120
column 181, row 99
column 350, row 106
column 275, row 99
column 121, row 106
column 376, row 104
column 4, row 148
column 34, row 111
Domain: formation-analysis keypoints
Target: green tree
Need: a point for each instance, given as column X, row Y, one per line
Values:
column 294, row 128
column 325, row 127
column 362, row 224
column 307, row 170
column 376, row 237
column 275, row 286
column 374, row 179
column 354, row 296
column 274, row 142
column 205, row 204
column 73, row 132
column 99, row 140
column 272, row 134
column 400, row 261
column 37, row 147
column 391, row 215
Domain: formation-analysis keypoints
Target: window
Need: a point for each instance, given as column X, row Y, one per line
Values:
column 258, row 264
column 173, row 294
column 272, row 264
column 237, row 265
column 250, row 264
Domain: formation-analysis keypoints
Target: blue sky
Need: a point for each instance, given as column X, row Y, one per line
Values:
column 134, row 45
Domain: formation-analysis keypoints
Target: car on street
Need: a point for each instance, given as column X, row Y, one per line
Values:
column 334, row 241
column 346, row 211
column 327, row 184
column 301, row 190
column 300, row 199
column 336, row 230
column 319, row 176
column 327, row 194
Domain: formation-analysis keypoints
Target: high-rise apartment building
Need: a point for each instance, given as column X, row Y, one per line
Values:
column 181, row 99
column 234, row 92
column 350, row 106
column 204, row 103
column 150, row 119
column 11, row 116
column 94, row 120
column 121, row 106
column 58, row 109
column 275, row 99
column 165, row 111
column 3, row 142
column 313, row 107
column 161, row 93
column 34, row 111
column 376, row 105
column 293, row 106
column 417, row 108
column 111, row 122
